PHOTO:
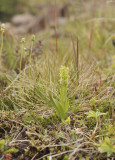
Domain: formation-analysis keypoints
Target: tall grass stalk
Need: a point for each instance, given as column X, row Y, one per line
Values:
column 2, row 30
column 56, row 28
column 77, row 59
column 22, row 51
column 30, row 58
column 76, row 56
column 99, row 96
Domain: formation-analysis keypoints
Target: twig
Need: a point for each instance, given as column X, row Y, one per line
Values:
column 99, row 76
column 15, row 138
column 49, row 154
column 79, row 149
column 58, row 145
column 2, row 158
column 34, row 156
column 75, row 151
column 58, row 154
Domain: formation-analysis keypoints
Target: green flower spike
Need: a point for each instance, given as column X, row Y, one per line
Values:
column 64, row 76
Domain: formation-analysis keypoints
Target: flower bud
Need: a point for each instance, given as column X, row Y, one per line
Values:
column 33, row 38
column 23, row 40
column 3, row 27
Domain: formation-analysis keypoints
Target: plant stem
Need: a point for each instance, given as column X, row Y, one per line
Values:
column 96, row 125
column 56, row 28
column 21, row 57
column 30, row 58
column 1, row 45
column 77, row 60
column 76, row 57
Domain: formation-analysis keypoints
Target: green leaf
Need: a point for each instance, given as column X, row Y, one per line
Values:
column 60, row 110
column 12, row 150
column 94, row 114
column 2, row 145
column 106, row 146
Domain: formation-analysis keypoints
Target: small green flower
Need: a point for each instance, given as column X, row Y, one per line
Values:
column 33, row 38
column 3, row 27
column 64, row 76
column 23, row 40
